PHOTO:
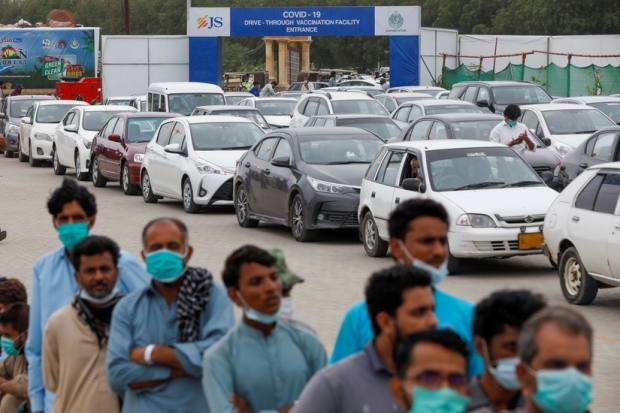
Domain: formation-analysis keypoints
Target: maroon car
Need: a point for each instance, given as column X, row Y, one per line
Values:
column 118, row 148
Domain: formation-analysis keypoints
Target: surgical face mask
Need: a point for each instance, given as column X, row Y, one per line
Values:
column 165, row 266
column 511, row 123
column 505, row 373
column 305, row 82
column 257, row 316
column 85, row 296
column 286, row 307
column 8, row 346
column 442, row 400
column 71, row 234
column 437, row 274
column 562, row 391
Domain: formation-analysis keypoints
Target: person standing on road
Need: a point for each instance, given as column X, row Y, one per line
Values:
column 76, row 336
column 74, row 212
column 159, row 333
column 18, row 90
column 13, row 369
column 555, row 348
column 512, row 133
column 400, row 302
column 255, row 90
column 419, row 237
column 332, row 79
column 262, row 365
column 498, row 320
column 269, row 89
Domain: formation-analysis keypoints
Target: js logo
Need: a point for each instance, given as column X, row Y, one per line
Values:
column 209, row 22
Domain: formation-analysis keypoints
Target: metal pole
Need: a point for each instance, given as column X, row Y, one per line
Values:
column 126, row 6
column 494, row 57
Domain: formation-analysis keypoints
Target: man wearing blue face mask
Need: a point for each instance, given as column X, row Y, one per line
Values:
column 73, row 210
column 418, row 236
column 158, row 333
column 512, row 133
column 555, row 348
column 497, row 325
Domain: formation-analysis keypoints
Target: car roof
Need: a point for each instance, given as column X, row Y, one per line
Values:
column 546, row 107
column 610, row 165
column 226, row 107
column 215, row 119
column 351, row 116
column 332, row 130
column 408, row 95
column 437, row 102
column 430, row 145
column 62, row 102
column 248, row 94
column 120, row 97
column 349, row 95
column 108, row 108
column 497, row 82
column 417, row 87
column 30, row 97
column 185, row 87
column 135, row 115
column 459, row 117
column 590, row 99
column 279, row 98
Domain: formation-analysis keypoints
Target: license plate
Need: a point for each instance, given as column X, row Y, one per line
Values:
column 531, row 241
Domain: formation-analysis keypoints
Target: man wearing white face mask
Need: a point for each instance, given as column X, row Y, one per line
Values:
column 498, row 319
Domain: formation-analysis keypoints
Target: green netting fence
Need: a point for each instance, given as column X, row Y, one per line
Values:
column 559, row 81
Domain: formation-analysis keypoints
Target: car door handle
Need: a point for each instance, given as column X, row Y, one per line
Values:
column 247, row 164
column 267, row 171
column 575, row 219
column 397, row 200
column 372, row 195
column 617, row 226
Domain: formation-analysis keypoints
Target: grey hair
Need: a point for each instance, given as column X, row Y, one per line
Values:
column 182, row 227
column 565, row 318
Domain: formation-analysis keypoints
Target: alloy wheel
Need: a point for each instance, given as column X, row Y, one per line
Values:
column 187, row 195
column 242, row 205
column 370, row 234
column 298, row 218
column 125, row 179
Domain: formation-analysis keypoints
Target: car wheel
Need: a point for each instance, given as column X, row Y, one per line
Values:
column 577, row 286
column 453, row 264
column 373, row 244
column 33, row 162
column 22, row 157
column 147, row 191
column 58, row 168
column 98, row 180
column 242, row 209
column 81, row 176
column 128, row 187
column 299, row 219
column 188, row 198
column 8, row 154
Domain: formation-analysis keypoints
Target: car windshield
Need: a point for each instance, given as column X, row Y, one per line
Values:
column 478, row 168
column 440, row 110
column 574, row 121
column 142, row 129
column 119, row 102
column 611, row 109
column 326, row 149
column 479, row 130
column 94, row 121
column 20, row 107
column 276, row 107
column 225, row 135
column 185, row 103
column 356, row 107
column 253, row 115
column 520, row 95
column 385, row 128
column 233, row 100
column 52, row 113
column 431, row 92
column 400, row 101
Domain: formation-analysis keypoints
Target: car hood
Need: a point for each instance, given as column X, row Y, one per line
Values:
column 49, row 128
column 280, row 121
column 226, row 160
column 543, row 157
column 15, row 121
column 573, row 139
column 348, row 174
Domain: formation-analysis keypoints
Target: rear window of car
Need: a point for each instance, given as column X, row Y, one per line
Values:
column 520, row 95
column 331, row 150
column 366, row 106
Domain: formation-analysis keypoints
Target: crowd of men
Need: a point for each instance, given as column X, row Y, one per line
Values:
column 105, row 333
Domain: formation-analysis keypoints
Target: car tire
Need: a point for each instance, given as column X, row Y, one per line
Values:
column 8, row 154
column 98, row 180
column 33, row 162
column 577, row 286
column 188, row 198
column 454, row 264
column 373, row 244
column 21, row 156
column 298, row 221
column 128, row 187
column 147, row 190
column 58, row 168
column 242, row 209
column 81, row 176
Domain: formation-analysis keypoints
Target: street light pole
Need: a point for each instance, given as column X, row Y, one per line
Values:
column 126, row 6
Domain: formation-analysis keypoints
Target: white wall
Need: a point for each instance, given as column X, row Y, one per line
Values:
column 432, row 43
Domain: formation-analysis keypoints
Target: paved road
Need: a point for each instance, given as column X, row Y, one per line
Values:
column 335, row 267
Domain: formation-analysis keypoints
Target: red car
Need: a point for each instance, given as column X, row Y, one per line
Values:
column 118, row 149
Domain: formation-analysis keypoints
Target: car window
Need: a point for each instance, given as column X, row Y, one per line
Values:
column 178, row 135
column 456, row 92
column 438, row 131
column 372, row 169
column 603, row 147
column 611, row 109
column 319, row 122
column 470, row 94
column 415, row 114
column 326, row 149
column 520, row 94
column 76, row 120
column 530, row 119
column 356, row 107
column 67, row 120
column 402, row 114
column 389, row 169
column 323, row 109
column 389, row 104
column 420, row 130
column 587, row 196
column 590, row 146
column 120, row 126
column 214, row 136
column 29, row 112
column 311, row 108
column 483, row 94
column 266, row 148
column 52, row 113
column 163, row 137
column 109, row 127
column 283, row 149
column 575, row 121
column 608, row 194
column 330, row 122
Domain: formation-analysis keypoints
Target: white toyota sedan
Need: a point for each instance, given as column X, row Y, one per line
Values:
column 496, row 202
column 193, row 159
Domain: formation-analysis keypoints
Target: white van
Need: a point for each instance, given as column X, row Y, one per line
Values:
column 183, row 97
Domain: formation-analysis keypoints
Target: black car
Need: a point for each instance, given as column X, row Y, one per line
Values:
column 478, row 126
column 602, row 147
column 381, row 126
column 304, row 178
column 496, row 95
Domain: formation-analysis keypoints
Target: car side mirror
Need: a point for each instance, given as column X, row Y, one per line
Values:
column 414, row 185
column 281, row 161
column 547, row 177
column 483, row 103
column 2, row 116
column 172, row 148
column 71, row 128
column 546, row 141
column 115, row 137
column 26, row 120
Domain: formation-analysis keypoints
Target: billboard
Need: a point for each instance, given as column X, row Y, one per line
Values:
column 39, row 57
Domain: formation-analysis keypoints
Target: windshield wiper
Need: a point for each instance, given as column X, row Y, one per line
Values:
column 345, row 162
column 232, row 148
column 478, row 185
column 522, row 183
column 586, row 131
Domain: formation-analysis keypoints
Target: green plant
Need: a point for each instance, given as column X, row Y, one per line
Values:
column 536, row 79
column 598, row 86
column 439, row 82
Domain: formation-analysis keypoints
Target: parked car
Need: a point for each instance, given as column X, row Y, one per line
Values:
column 609, row 105
column 564, row 124
column 193, row 158
column 183, row 97
column 582, row 233
column 392, row 101
column 495, row 201
column 13, row 110
column 334, row 103
column 601, row 147
column 304, row 178
column 246, row 112
column 478, row 127
column 233, row 98
column 37, row 129
column 118, row 100
column 369, row 90
column 298, row 86
column 74, row 135
column 410, row 111
column 357, row 82
column 276, row 110
column 429, row 90
column 383, row 127
column 117, row 150
column 496, row 95
column 138, row 102
column 443, row 94
column 293, row 95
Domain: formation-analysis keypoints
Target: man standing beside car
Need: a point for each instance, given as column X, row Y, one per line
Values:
column 512, row 133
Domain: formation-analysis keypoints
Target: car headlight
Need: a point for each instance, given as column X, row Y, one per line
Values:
column 139, row 157
column 332, row 188
column 86, row 143
column 13, row 128
column 556, row 171
column 562, row 148
column 42, row 136
column 205, row 168
column 475, row 221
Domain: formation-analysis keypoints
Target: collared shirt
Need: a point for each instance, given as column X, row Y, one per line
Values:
column 451, row 312
column 267, row 372
column 504, row 133
column 53, row 287
column 255, row 92
column 144, row 318
column 479, row 403
column 357, row 384
column 267, row 90
column 332, row 82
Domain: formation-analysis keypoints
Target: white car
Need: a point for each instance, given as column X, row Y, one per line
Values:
column 495, row 201
column 37, row 127
column 582, row 233
column 392, row 101
column 277, row 111
column 118, row 100
column 567, row 125
column 432, row 91
column 193, row 159
column 334, row 103
column 138, row 102
column 74, row 135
